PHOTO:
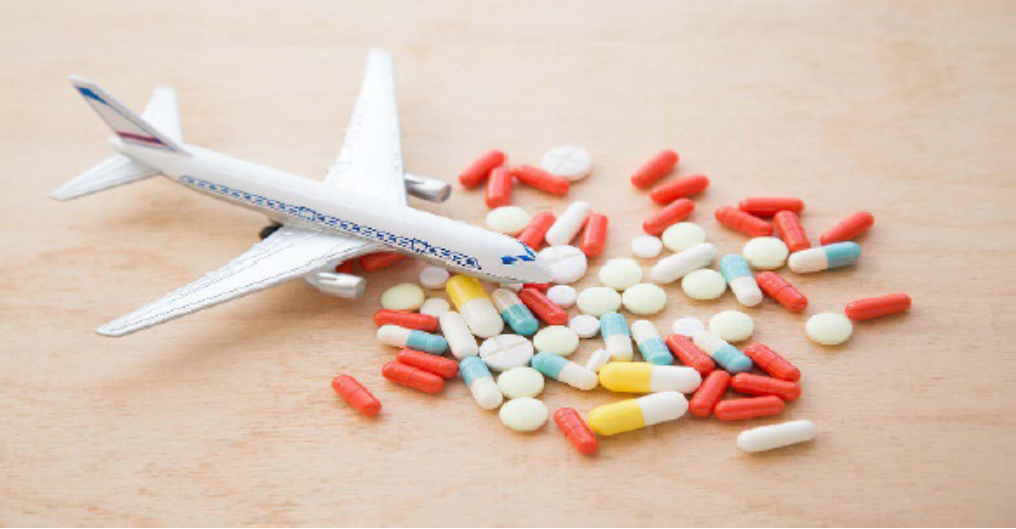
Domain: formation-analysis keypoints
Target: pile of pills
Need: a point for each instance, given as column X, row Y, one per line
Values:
column 506, row 340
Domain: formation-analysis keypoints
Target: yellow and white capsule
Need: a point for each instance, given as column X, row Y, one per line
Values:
column 640, row 377
column 475, row 306
column 633, row 414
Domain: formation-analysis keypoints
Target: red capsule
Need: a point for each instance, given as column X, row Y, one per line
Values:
column 849, row 228
column 681, row 187
column 690, row 355
column 576, row 431
column 479, row 170
column 677, row 211
column 783, row 292
column 771, row 362
column 439, row 365
column 738, row 220
column 356, row 395
column 542, row 180
column 533, row 235
column 411, row 320
column 412, row 377
column 499, row 188
column 656, row 168
column 871, row 308
column 543, row 307
column 709, row 393
column 767, row 207
column 373, row 262
column 750, row 408
column 345, row 267
column 788, row 224
column 594, row 236
column 760, row 385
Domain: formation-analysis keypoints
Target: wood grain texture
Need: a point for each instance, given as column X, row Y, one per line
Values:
column 227, row 418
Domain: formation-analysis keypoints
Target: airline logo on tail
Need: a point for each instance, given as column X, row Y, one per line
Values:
column 133, row 137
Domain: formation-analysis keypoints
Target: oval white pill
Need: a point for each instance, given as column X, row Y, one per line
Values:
column 644, row 299
column 567, row 263
column 556, row 339
column 584, row 325
column 646, row 246
column 732, row 325
column 829, row 328
column 704, row 284
column 597, row 301
column 599, row 359
column 434, row 277
column 524, row 414
column 619, row 274
column 776, row 436
column 563, row 295
column 435, row 307
column 688, row 326
column 506, row 351
column 520, row 382
column 406, row 296
column 570, row 162
column 765, row 253
column 510, row 220
column 682, row 236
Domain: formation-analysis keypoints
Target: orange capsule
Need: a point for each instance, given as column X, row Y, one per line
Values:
column 709, row 393
column 677, row 211
column 750, row 408
column 439, row 365
column 767, row 207
column 542, row 180
column 771, row 362
column 356, row 395
column 373, row 262
column 479, row 170
column 533, row 235
column 411, row 320
column 871, row 308
column 849, row 228
column 788, row 224
column 681, row 187
column 738, row 220
column 656, row 168
column 499, row 188
column 760, row 385
column 542, row 287
column 576, row 431
column 345, row 267
column 412, row 377
column 594, row 236
column 689, row 354
column 782, row 291
column 543, row 307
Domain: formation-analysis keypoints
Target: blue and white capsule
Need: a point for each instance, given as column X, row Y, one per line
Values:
column 481, row 383
column 742, row 283
column 515, row 313
column 563, row 370
column 654, row 350
column 614, row 330
column 824, row 257
column 397, row 336
column 727, row 356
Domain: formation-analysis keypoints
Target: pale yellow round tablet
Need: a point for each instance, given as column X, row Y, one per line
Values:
column 829, row 328
column 704, row 284
column 683, row 235
column 644, row 299
column 597, row 301
column 510, row 220
column 406, row 296
column 732, row 325
column 435, row 307
column 524, row 414
column 556, row 339
column 765, row 253
column 520, row 382
column 619, row 274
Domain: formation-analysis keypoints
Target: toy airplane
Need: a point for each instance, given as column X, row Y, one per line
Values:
column 360, row 207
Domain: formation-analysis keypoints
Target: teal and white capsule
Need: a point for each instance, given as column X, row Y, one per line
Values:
column 614, row 330
column 727, row 356
column 654, row 350
column 397, row 336
column 824, row 257
column 562, row 370
column 481, row 383
column 515, row 313
column 742, row 283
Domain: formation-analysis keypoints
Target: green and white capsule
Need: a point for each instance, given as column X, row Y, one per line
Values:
column 824, row 257
column 562, row 370
column 614, row 330
column 654, row 350
column 480, row 382
column 742, row 282
column 514, row 312
column 397, row 336
column 727, row 356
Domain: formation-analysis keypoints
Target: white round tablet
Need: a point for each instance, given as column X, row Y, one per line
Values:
column 510, row 220
column 435, row 307
column 584, row 325
column 688, row 326
column 644, row 299
column 683, row 235
column 704, row 284
column 506, row 351
column 732, row 325
column 597, row 301
column 567, row 263
column 406, row 296
column 646, row 246
column 520, row 382
column 524, row 414
column 619, row 274
column 434, row 277
column 556, row 339
column 766, row 253
column 829, row 328
column 563, row 295
column 570, row 162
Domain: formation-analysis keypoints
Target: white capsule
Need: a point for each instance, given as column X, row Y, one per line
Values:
column 460, row 340
column 568, row 224
column 776, row 436
column 599, row 359
column 578, row 377
column 746, row 291
column 674, row 267
column 663, row 407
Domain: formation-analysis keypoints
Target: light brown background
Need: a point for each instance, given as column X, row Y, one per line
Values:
column 226, row 417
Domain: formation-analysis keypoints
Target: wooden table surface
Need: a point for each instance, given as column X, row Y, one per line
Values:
column 226, row 417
